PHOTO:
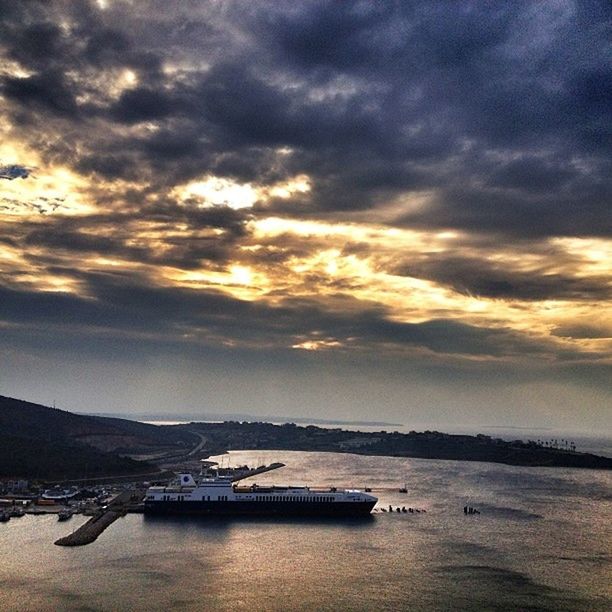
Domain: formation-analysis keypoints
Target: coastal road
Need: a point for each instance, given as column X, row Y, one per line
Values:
column 199, row 447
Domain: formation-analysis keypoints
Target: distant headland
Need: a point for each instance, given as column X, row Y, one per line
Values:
column 45, row 443
column 238, row 416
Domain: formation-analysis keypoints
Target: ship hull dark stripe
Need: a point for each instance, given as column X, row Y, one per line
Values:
column 252, row 508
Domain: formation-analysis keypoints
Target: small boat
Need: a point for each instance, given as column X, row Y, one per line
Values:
column 404, row 489
column 64, row 515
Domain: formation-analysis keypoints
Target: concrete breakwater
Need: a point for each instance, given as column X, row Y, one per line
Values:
column 89, row 531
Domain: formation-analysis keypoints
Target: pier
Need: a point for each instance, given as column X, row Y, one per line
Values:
column 89, row 532
column 256, row 471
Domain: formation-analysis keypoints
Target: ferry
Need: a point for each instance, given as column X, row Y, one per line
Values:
column 219, row 495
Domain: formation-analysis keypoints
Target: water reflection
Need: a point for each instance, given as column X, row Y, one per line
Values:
column 541, row 542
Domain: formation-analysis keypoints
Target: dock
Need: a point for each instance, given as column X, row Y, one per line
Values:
column 89, row 531
column 255, row 471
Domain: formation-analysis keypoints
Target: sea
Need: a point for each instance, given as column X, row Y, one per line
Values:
column 542, row 541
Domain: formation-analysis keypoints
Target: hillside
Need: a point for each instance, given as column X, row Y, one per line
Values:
column 426, row 445
column 43, row 442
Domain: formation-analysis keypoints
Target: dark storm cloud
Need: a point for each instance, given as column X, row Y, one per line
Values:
column 44, row 92
column 478, row 277
column 124, row 303
column 110, row 235
column 577, row 330
column 375, row 100
column 141, row 104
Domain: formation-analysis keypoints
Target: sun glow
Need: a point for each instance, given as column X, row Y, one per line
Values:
column 215, row 191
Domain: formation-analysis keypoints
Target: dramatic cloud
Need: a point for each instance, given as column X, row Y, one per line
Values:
column 385, row 187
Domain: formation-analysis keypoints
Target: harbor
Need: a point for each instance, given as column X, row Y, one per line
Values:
column 105, row 504
column 159, row 561
column 106, row 516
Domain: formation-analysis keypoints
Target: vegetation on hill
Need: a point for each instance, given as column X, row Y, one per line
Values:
column 38, row 442
column 428, row 444
column 22, row 457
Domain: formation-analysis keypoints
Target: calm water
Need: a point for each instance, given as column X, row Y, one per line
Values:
column 543, row 541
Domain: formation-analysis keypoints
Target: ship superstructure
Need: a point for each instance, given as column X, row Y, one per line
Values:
column 219, row 495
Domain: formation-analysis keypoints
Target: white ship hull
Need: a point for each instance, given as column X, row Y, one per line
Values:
column 220, row 497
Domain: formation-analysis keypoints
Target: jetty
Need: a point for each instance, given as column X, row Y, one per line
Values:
column 89, row 531
column 256, row 471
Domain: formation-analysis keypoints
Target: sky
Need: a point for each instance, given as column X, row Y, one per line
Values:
column 345, row 210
